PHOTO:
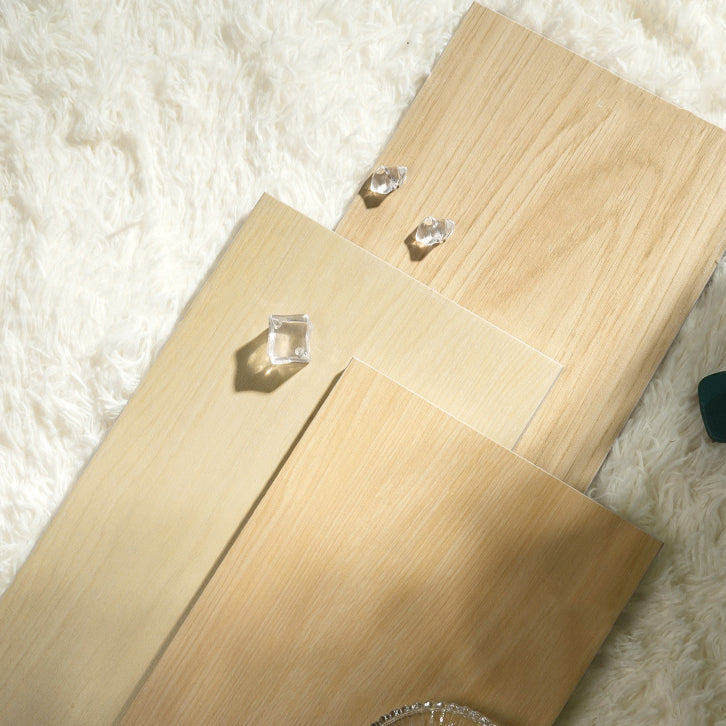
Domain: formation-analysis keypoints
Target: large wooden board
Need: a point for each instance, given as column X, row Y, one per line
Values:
column 206, row 431
column 589, row 215
column 399, row 556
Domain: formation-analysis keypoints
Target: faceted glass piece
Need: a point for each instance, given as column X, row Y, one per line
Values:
column 288, row 340
column 434, row 231
column 386, row 179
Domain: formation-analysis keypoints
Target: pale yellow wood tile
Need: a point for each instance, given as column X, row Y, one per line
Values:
column 191, row 454
column 398, row 557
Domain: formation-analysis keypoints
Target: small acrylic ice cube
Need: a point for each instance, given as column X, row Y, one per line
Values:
column 288, row 340
column 386, row 179
column 433, row 231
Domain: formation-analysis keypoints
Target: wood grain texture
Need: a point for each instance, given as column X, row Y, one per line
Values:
column 589, row 216
column 206, row 431
column 399, row 556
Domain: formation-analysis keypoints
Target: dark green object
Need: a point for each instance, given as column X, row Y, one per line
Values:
column 712, row 399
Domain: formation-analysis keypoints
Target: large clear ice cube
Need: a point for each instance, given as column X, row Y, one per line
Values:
column 288, row 340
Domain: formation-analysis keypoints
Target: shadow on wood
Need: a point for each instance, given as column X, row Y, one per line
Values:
column 254, row 370
column 370, row 199
column 415, row 250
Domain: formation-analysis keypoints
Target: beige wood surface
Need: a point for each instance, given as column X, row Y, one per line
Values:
column 205, row 432
column 589, row 215
column 399, row 556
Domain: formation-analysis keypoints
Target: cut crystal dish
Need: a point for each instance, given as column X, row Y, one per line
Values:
column 433, row 713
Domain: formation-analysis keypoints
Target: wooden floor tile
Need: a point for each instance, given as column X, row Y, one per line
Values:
column 399, row 556
column 589, row 216
column 205, row 432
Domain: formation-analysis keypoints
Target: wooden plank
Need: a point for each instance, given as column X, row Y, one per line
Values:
column 589, row 216
column 399, row 556
column 195, row 447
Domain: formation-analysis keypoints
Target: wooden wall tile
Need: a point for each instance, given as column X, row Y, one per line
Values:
column 399, row 556
column 589, row 213
column 205, row 432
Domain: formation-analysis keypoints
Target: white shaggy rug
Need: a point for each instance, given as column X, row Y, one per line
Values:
column 135, row 137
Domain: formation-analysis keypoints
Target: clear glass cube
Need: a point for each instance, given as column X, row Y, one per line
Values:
column 288, row 340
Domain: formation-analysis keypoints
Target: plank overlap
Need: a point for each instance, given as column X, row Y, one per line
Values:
column 207, row 429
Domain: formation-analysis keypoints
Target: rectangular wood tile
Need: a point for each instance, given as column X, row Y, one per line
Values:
column 399, row 556
column 205, row 432
column 589, row 216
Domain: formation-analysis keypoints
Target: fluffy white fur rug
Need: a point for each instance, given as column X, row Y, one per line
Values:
column 136, row 136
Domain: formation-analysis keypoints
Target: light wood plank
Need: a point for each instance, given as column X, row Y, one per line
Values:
column 399, row 556
column 191, row 454
column 589, row 213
